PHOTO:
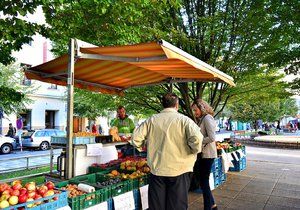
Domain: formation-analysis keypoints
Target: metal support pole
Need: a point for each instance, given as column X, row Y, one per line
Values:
column 27, row 163
column 69, row 151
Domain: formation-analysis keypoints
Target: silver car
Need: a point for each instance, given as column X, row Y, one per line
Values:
column 7, row 144
column 40, row 138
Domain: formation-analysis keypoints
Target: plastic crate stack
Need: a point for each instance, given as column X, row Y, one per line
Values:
column 241, row 163
column 218, row 173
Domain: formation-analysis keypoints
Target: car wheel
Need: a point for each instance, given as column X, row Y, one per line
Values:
column 44, row 145
column 6, row 148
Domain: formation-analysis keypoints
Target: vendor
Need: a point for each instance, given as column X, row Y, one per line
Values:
column 123, row 122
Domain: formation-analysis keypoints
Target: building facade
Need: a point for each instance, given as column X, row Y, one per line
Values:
column 48, row 101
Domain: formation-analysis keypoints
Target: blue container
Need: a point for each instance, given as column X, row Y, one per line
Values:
column 137, row 199
column 50, row 205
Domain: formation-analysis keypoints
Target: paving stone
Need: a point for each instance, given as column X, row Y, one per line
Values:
column 247, row 205
column 294, row 187
column 258, row 189
column 221, row 200
column 271, row 207
column 252, row 197
column 286, row 193
column 283, row 201
column 225, row 193
column 231, row 186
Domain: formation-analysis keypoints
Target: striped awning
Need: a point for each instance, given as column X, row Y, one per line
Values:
column 113, row 69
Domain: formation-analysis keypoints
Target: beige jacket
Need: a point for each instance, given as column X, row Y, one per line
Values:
column 208, row 129
column 173, row 141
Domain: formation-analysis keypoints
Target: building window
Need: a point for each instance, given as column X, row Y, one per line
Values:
column 53, row 86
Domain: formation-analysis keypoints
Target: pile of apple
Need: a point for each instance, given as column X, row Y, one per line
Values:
column 16, row 193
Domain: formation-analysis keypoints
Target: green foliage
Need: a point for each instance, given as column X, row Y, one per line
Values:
column 14, row 30
column 12, row 93
column 263, row 97
column 237, row 37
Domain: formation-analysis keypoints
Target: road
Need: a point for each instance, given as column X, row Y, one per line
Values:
column 17, row 159
column 275, row 155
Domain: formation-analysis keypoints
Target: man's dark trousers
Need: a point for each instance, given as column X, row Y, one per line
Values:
column 168, row 193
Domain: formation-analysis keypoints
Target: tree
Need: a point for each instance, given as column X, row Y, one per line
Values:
column 12, row 93
column 15, row 30
column 237, row 37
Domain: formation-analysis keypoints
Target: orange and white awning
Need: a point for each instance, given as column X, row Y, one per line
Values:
column 116, row 68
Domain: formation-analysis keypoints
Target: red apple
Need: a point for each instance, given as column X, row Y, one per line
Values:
column 50, row 185
column 36, row 197
column 15, row 192
column 13, row 200
column 23, row 198
column 3, row 187
column 17, row 186
column 48, row 193
column 42, row 189
column 23, row 191
column 31, row 194
column 30, row 186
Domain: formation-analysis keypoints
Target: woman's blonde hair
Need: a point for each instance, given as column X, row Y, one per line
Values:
column 204, row 107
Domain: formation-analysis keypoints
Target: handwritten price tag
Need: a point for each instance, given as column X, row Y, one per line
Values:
column 124, row 201
column 102, row 206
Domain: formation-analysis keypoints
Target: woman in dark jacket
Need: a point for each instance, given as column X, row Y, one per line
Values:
column 204, row 116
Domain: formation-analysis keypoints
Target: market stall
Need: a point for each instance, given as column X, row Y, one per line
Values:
column 111, row 70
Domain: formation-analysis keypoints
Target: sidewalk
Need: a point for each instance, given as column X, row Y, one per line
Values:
column 263, row 185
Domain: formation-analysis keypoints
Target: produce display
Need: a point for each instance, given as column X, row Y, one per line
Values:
column 116, row 136
column 228, row 146
column 74, row 191
column 85, row 134
column 108, row 182
column 16, row 193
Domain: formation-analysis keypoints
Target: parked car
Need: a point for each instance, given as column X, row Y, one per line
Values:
column 7, row 144
column 40, row 138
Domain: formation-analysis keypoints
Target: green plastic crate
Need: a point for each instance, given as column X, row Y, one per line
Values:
column 37, row 179
column 114, row 189
column 95, row 169
column 86, row 200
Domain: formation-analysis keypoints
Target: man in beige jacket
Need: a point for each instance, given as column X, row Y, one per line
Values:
column 173, row 141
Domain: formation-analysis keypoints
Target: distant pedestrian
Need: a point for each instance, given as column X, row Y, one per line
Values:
column 11, row 131
column 94, row 128
column 100, row 129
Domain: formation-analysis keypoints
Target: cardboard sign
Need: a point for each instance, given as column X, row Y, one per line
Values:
column 124, row 201
column 144, row 196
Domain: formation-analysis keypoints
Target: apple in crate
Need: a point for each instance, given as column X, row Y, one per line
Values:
column 4, row 197
column 48, row 193
column 3, row 187
column 36, row 197
column 30, row 186
column 17, row 186
column 42, row 190
column 23, row 198
column 23, row 191
column 31, row 194
column 4, row 204
column 15, row 192
column 50, row 185
column 30, row 205
column 13, row 200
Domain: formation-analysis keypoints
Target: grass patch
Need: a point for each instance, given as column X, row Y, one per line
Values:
column 26, row 172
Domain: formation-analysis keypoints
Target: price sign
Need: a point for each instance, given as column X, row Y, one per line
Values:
column 124, row 201
column 144, row 196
